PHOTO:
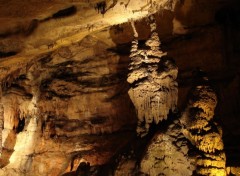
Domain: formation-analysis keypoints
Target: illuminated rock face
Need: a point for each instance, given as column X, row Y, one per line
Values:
column 57, row 109
column 203, row 132
column 153, row 82
column 168, row 154
column 191, row 145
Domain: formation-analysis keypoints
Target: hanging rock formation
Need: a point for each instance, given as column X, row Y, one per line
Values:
column 153, row 82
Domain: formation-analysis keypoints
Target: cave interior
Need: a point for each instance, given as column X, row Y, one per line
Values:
column 119, row 87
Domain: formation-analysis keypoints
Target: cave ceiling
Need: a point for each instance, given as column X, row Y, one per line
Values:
column 33, row 27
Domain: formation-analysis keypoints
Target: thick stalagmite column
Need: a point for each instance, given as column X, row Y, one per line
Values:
column 153, row 81
column 203, row 132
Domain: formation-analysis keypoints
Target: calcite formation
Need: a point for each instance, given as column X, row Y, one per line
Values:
column 168, row 154
column 153, row 82
column 192, row 144
column 64, row 103
column 201, row 129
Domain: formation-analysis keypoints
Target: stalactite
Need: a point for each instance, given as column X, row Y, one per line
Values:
column 153, row 81
column 135, row 33
column 101, row 7
column 203, row 132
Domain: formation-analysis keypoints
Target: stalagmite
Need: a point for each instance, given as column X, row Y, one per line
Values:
column 199, row 127
column 167, row 154
column 153, row 81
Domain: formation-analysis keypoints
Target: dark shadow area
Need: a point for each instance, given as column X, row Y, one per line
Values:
column 31, row 27
column 228, row 18
column 20, row 126
column 232, row 150
column 65, row 12
column 7, row 54
column 101, row 7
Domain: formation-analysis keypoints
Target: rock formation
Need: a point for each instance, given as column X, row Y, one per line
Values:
column 168, row 154
column 50, row 101
column 190, row 145
column 201, row 129
column 64, row 102
column 127, row 164
column 153, row 82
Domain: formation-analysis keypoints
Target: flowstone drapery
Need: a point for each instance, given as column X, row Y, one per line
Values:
column 153, row 81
